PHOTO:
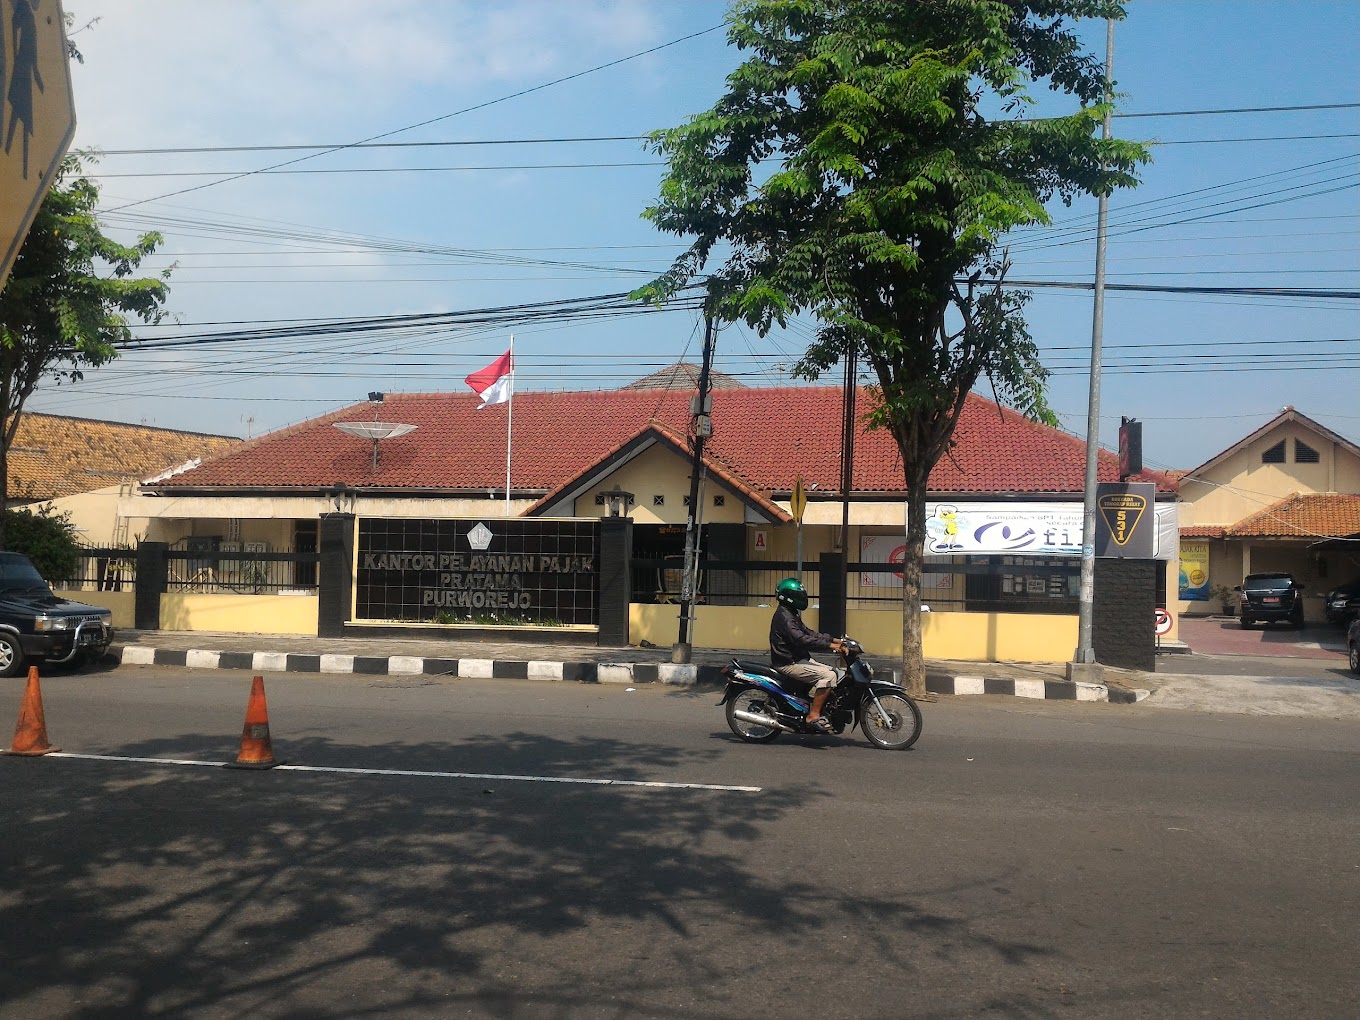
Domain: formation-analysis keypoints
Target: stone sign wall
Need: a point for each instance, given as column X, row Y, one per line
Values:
column 495, row 571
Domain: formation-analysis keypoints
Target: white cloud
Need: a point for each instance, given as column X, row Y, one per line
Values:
column 166, row 72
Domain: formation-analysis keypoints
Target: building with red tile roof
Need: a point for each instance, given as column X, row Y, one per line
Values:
column 1280, row 499
column 570, row 450
column 763, row 438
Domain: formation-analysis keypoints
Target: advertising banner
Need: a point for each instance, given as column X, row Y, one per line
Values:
column 1021, row 529
column 1194, row 582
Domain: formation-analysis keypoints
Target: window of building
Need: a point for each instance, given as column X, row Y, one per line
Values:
column 719, row 500
column 1304, row 454
column 599, row 499
column 658, row 501
column 1275, row 455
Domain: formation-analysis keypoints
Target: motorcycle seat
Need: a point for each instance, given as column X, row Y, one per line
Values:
column 759, row 669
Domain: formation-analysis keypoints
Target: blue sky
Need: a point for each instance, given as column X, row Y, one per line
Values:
column 407, row 234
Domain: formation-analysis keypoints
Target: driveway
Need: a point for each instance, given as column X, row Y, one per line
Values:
column 1222, row 635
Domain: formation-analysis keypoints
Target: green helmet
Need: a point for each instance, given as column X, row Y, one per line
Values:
column 791, row 592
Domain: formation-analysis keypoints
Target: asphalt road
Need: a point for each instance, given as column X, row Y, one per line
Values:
column 1046, row 859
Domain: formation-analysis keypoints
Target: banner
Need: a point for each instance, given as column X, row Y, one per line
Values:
column 1022, row 529
column 1194, row 582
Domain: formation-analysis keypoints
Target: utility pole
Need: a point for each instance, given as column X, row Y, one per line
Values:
column 703, row 428
column 1085, row 652
column 847, row 451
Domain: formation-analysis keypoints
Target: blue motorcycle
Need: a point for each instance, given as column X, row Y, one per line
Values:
column 761, row 704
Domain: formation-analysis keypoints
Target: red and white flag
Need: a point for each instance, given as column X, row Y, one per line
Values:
column 493, row 383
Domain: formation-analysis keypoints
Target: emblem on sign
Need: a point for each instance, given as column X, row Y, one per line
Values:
column 1122, row 512
column 479, row 537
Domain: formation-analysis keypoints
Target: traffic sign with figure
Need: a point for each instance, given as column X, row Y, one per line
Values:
column 37, row 114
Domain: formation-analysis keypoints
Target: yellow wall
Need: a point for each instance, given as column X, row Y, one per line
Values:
column 1241, row 484
column 971, row 637
column 245, row 614
column 659, row 471
column 120, row 602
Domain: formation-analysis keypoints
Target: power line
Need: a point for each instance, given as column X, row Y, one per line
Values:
column 323, row 147
column 431, row 120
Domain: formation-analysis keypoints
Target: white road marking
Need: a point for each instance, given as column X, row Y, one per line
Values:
column 413, row 772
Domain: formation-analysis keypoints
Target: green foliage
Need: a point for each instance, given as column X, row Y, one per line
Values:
column 864, row 165
column 46, row 538
column 66, row 304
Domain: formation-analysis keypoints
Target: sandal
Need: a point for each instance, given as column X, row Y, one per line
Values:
column 820, row 725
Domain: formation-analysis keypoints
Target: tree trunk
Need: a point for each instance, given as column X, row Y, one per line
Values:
column 913, row 560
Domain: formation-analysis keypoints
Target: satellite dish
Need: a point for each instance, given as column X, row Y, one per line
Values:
column 374, row 430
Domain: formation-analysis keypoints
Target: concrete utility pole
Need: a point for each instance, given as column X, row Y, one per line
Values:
column 703, row 428
column 1085, row 652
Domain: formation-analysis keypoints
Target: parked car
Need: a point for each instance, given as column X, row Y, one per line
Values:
column 36, row 626
column 1342, row 603
column 1353, row 645
column 1271, row 598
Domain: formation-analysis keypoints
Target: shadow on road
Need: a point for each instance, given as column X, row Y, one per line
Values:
column 159, row 891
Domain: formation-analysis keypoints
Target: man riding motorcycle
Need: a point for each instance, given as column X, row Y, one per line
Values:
column 792, row 643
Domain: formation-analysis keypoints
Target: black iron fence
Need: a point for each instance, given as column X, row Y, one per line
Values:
column 101, row 568
column 239, row 571
column 996, row 584
column 719, row 582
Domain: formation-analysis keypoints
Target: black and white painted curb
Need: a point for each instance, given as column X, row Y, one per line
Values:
column 580, row 672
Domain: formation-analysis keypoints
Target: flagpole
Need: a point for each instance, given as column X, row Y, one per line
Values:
column 509, row 423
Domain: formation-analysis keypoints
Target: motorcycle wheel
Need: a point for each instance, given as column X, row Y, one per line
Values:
column 756, row 702
column 900, row 730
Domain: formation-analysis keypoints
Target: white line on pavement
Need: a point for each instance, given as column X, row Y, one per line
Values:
column 412, row 772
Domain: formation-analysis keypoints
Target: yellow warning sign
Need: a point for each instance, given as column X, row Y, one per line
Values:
column 798, row 500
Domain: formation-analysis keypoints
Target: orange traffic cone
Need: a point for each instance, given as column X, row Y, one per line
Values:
column 30, row 733
column 256, row 751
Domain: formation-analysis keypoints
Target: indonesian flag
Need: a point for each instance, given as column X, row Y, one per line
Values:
column 492, row 383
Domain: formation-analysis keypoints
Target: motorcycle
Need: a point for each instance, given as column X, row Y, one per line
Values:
column 762, row 704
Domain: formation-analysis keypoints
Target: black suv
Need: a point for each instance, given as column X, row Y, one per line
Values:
column 1271, row 598
column 35, row 625
column 1343, row 603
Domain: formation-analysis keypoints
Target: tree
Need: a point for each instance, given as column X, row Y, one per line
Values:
column 901, row 159
column 47, row 538
column 64, row 308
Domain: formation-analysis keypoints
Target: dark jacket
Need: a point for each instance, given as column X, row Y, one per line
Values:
column 791, row 640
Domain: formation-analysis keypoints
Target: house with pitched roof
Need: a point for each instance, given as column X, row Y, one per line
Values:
column 1282, row 498
column 81, row 466
column 574, row 454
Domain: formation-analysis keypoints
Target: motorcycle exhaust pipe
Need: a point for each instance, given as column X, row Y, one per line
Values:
column 762, row 720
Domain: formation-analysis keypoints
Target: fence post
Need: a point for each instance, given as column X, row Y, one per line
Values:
column 831, row 585
column 152, row 576
column 335, row 574
column 616, row 579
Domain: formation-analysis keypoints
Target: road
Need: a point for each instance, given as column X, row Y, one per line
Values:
column 1046, row 859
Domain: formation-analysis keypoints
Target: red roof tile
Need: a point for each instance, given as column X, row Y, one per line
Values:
column 766, row 436
column 1202, row 531
column 1314, row 515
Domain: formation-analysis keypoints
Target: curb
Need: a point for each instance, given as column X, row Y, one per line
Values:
column 579, row 672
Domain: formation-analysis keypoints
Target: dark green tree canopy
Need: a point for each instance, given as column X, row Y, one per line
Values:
column 890, row 180
column 864, row 165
